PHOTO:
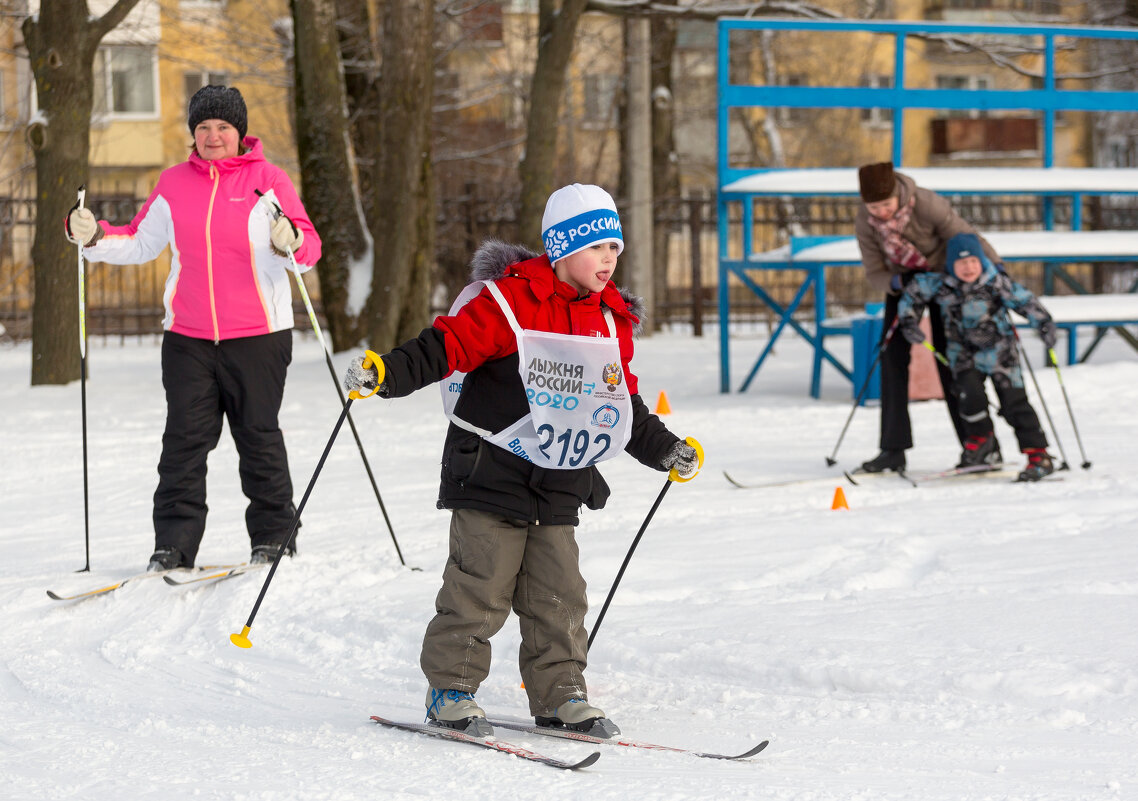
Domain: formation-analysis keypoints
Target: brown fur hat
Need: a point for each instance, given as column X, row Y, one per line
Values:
column 875, row 182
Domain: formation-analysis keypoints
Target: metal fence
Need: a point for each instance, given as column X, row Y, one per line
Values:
column 126, row 302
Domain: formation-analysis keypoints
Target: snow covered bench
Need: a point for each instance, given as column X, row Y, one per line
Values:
column 814, row 254
column 1102, row 312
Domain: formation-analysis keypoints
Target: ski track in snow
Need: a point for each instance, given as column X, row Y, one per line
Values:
column 965, row 640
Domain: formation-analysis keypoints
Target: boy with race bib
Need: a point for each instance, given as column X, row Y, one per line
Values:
column 533, row 361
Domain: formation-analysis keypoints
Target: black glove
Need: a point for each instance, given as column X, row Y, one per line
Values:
column 683, row 458
column 1047, row 333
column 913, row 333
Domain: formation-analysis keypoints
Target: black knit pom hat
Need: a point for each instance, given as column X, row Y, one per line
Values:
column 219, row 103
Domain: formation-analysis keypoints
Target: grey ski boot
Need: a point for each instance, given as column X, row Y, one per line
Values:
column 578, row 714
column 457, row 709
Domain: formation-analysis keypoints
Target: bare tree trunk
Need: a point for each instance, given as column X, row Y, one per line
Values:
column 327, row 164
column 404, row 242
column 360, row 57
column 61, row 40
column 665, row 172
column 557, row 28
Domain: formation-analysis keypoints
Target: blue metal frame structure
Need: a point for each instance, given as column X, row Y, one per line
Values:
column 1048, row 99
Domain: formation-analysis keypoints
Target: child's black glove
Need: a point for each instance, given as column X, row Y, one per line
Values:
column 683, row 458
column 1047, row 333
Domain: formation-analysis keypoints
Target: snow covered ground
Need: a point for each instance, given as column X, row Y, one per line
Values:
column 971, row 639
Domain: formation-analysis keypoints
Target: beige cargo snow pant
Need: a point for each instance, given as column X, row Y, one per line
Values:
column 496, row 563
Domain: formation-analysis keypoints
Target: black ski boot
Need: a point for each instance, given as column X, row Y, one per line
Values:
column 267, row 552
column 1039, row 464
column 981, row 450
column 886, row 460
column 166, row 559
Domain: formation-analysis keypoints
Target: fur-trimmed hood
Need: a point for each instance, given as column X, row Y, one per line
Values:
column 494, row 258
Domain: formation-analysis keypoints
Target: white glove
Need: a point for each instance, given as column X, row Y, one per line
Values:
column 358, row 378
column 285, row 235
column 683, row 458
column 81, row 227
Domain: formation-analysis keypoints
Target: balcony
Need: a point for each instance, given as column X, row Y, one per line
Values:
column 997, row 135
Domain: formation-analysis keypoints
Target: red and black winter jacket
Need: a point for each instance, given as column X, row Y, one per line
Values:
column 479, row 341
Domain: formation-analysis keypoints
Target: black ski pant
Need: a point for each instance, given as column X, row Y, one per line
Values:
column 243, row 381
column 896, row 429
column 1014, row 407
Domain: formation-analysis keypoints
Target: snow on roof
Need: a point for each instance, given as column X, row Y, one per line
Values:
column 1011, row 245
column 958, row 180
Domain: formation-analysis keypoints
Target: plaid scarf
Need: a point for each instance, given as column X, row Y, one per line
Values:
column 898, row 249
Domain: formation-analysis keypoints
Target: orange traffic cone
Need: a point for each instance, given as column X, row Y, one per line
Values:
column 839, row 500
column 662, row 406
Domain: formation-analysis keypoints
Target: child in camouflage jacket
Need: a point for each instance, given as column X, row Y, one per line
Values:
column 974, row 298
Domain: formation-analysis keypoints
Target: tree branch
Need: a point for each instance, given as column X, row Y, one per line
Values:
column 109, row 21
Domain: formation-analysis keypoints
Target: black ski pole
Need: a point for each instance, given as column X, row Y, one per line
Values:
column 831, row 460
column 242, row 640
column 1042, row 402
column 1086, row 465
column 673, row 476
column 82, row 195
column 336, row 382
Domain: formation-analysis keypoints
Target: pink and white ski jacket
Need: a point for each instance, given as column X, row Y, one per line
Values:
column 225, row 280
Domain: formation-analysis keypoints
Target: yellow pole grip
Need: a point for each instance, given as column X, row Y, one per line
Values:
column 675, row 476
column 370, row 359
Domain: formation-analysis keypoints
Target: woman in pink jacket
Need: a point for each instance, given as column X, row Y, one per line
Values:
column 228, row 301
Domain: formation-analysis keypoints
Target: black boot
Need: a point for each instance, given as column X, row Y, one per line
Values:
column 1039, row 464
column 886, row 460
column 980, row 450
column 166, row 559
column 267, row 552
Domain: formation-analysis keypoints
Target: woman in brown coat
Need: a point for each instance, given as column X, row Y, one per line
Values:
column 902, row 230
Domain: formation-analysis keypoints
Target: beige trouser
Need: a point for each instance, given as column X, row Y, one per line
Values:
column 496, row 563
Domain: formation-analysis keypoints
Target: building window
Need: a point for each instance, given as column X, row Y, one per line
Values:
column 601, row 99
column 791, row 116
column 125, row 81
column 969, row 82
column 876, row 116
column 482, row 23
column 1119, row 152
column 193, row 81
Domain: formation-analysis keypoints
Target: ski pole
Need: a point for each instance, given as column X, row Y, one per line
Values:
column 673, row 476
column 831, row 460
column 1086, row 465
column 336, row 382
column 1042, row 402
column 936, row 353
column 242, row 640
column 81, row 197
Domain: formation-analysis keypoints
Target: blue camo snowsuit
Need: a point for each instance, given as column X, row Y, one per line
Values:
column 981, row 342
column 980, row 335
